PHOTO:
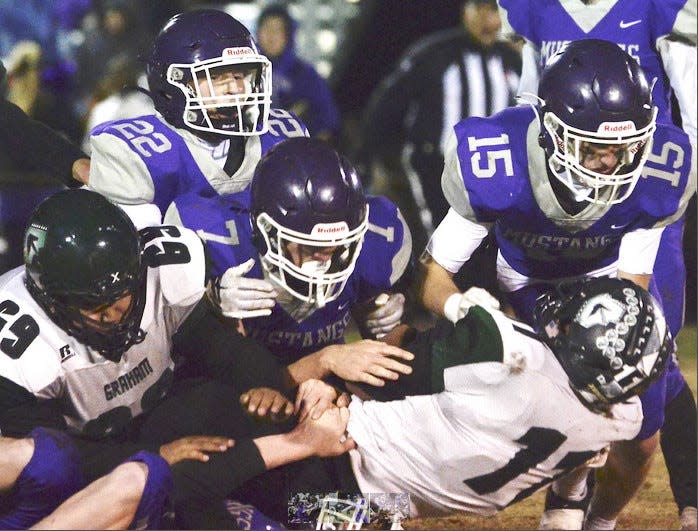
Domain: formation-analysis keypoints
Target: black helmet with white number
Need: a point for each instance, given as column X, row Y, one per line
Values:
column 609, row 335
column 81, row 252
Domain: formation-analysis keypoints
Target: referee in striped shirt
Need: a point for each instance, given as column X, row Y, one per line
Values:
column 441, row 79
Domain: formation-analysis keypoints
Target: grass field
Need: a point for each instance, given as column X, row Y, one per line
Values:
column 652, row 508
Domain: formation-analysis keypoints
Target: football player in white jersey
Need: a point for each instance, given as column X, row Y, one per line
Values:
column 500, row 410
column 582, row 184
column 92, row 328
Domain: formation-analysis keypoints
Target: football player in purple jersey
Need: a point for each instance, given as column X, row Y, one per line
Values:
column 661, row 36
column 211, row 88
column 581, row 184
column 315, row 252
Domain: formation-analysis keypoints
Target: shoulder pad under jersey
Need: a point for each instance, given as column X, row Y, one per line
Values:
column 178, row 254
column 387, row 247
column 486, row 163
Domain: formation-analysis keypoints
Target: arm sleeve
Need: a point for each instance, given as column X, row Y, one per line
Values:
column 638, row 250
column 455, row 240
column 32, row 145
column 21, row 411
column 211, row 344
column 223, row 472
column 530, row 74
column 679, row 60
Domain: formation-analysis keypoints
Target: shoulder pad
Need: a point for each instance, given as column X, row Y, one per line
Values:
column 387, row 248
column 486, row 163
column 178, row 255
column 668, row 178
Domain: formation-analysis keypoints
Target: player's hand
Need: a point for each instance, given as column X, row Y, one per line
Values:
column 81, row 170
column 327, row 436
column 367, row 361
column 267, row 402
column 458, row 304
column 241, row 297
column 314, row 397
column 194, row 447
column 387, row 314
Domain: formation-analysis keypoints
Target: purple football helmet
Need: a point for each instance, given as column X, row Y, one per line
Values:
column 597, row 120
column 609, row 335
column 206, row 74
column 306, row 196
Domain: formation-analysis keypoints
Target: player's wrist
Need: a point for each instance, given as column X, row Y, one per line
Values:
column 327, row 357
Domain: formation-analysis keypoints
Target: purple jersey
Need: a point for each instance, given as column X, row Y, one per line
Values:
column 146, row 160
column 634, row 26
column 224, row 223
column 498, row 173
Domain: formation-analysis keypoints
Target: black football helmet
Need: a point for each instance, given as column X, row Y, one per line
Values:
column 609, row 335
column 191, row 51
column 596, row 97
column 304, row 192
column 82, row 252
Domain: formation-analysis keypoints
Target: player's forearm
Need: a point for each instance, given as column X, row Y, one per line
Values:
column 434, row 285
column 281, row 449
column 313, row 366
column 35, row 146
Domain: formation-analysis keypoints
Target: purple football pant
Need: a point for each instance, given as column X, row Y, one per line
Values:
column 52, row 475
column 670, row 275
column 155, row 494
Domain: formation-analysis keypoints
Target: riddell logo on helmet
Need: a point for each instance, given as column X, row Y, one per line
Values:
column 237, row 52
column 616, row 127
column 330, row 229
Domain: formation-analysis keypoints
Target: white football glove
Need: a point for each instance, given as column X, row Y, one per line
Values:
column 387, row 315
column 242, row 297
column 458, row 304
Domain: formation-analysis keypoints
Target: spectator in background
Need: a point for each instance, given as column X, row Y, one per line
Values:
column 440, row 80
column 119, row 32
column 32, row 153
column 117, row 96
column 24, row 88
column 296, row 85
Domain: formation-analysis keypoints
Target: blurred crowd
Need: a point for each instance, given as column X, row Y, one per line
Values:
column 65, row 57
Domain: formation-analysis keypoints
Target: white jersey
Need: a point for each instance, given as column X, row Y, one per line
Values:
column 498, row 432
column 98, row 396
